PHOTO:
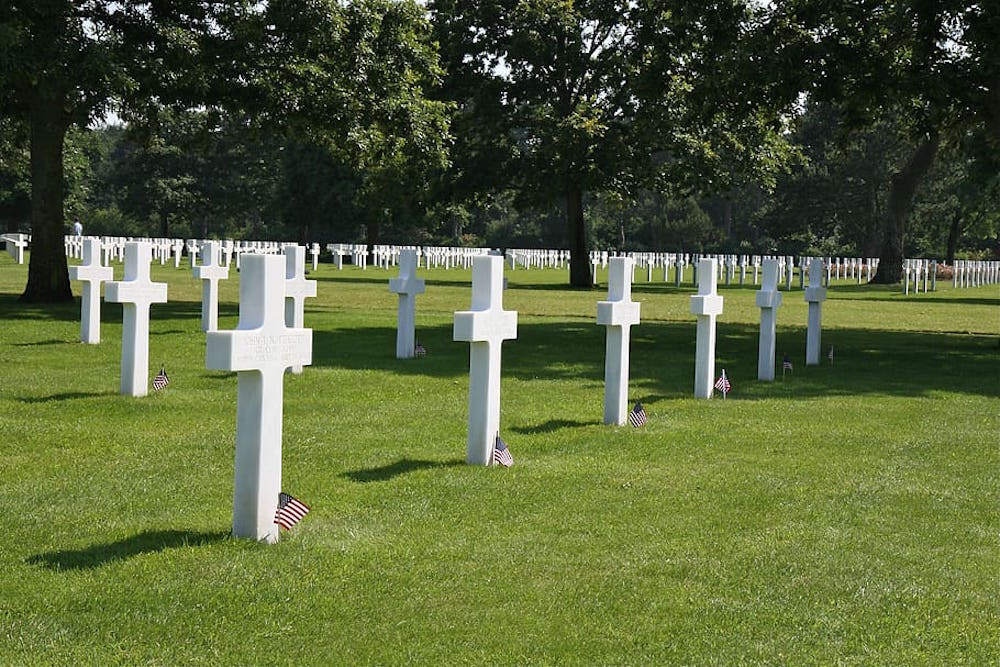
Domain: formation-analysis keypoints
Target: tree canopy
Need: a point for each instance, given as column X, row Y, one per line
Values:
column 805, row 127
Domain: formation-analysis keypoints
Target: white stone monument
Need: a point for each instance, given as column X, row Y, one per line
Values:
column 707, row 305
column 259, row 350
column 815, row 296
column 485, row 326
column 16, row 243
column 136, row 293
column 314, row 252
column 618, row 314
column 407, row 286
column 92, row 273
column 297, row 290
column 768, row 300
column 210, row 273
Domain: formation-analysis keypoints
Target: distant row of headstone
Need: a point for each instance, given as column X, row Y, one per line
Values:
column 918, row 274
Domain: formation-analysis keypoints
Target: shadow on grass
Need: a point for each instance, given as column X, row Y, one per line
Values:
column 900, row 363
column 400, row 467
column 51, row 341
column 554, row 425
column 69, row 311
column 98, row 555
column 65, row 396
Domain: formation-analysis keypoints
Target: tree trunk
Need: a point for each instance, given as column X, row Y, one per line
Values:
column 954, row 233
column 164, row 224
column 371, row 236
column 727, row 218
column 48, row 276
column 579, row 246
column 902, row 189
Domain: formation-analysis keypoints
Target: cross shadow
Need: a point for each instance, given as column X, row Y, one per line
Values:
column 98, row 555
column 400, row 467
column 65, row 396
column 553, row 425
column 52, row 341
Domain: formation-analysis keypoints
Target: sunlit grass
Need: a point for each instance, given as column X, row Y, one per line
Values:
column 846, row 514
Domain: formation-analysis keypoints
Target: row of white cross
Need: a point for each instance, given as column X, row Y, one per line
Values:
column 228, row 251
column 270, row 338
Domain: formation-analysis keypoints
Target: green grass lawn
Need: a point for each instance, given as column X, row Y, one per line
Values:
column 846, row 515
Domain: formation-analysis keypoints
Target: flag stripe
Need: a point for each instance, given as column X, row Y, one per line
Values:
column 502, row 455
column 290, row 511
column 160, row 381
column 637, row 417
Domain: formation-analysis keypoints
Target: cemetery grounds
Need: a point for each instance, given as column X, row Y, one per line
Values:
column 844, row 514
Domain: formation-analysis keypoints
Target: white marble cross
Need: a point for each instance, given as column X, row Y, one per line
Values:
column 815, row 296
column 707, row 305
column 16, row 243
column 259, row 350
column 618, row 314
column 178, row 250
column 314, row 251
column 136, row 293
column 768, row 300
column 210, row 273
column 92, row 273
column 407, row 286
column 485, row 326
column 297, row 290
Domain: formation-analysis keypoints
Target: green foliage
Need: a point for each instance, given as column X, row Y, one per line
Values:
column 565, row 98
column 835, row 202
column 15, row 183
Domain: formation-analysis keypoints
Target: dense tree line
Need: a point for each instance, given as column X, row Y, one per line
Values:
column 861, row 128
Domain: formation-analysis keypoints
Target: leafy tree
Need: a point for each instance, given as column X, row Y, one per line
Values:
column 933, row 64
column 352, row 73
column 564, row 98
column 15, row 190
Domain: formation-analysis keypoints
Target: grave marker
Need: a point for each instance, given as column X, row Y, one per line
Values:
column 407, row 286
column 706, row 305
column 815, row 296
column 618, row 314
column 768, row 300
column 485, row 326
column 92, row 273
column 297, row 290
column 259, row 350
column 136, row 293
column 210, row 274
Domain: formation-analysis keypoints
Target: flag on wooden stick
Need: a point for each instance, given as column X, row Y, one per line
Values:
column 290, row 511
column 786, row 365
column 502, row 455
column 161, row 380
column 722, row 384
column 419, row 350
column 638, row 415
column 830, row 356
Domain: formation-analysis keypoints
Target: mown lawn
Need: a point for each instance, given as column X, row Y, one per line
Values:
column 846, row 515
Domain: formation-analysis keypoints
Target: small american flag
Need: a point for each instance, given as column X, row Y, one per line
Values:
column 161, row 380
column 786, row 364
column 419, row 350
column 830, row 356
column 722, row 384
column 290, row 511
column 501, row 455
column 638, row 416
